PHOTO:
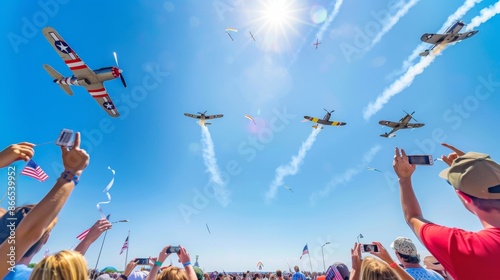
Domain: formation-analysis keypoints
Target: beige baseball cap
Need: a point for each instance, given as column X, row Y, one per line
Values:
column 404, row 246
column 475, row 174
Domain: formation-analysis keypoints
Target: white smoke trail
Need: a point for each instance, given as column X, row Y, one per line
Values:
column 458, row 14
column 391, row 22
column 347, row 176
column 407, row 78
column 211, row 164
column 328, row 21
column 484, row 15
column 293, row 167
column 399, row 85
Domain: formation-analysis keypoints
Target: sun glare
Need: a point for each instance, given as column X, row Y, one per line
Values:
column 277, row 20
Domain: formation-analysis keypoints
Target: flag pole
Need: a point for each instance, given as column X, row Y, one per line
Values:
column 126, row 253
column 310, row 263
column 102, row 245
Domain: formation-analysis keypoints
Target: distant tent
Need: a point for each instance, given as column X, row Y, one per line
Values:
column 109, row 269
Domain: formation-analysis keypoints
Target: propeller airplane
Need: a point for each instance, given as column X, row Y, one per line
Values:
column 450, row 35
column 91, row 80
column 325, row 120
column 202, row 117
column 403, row 123
column 317, row 43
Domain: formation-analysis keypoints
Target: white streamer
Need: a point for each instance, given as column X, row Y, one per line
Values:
column 106, row 190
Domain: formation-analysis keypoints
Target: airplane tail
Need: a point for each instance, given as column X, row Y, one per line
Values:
column 424, row 53
column 56, row 76
column 387, row 135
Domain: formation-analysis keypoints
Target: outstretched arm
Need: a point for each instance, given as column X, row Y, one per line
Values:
column 95, row 231
column 32, row 227
column 409, row 203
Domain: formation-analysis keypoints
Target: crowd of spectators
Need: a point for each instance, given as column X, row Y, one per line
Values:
column 456, row 253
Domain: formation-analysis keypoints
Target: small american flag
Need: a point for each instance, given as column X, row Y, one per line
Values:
column 125, row 245
column 34, row 171
column 82, row 235
column 332, row 273
column 305, row 251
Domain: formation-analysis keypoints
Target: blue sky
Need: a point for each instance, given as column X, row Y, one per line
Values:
column 177, row 58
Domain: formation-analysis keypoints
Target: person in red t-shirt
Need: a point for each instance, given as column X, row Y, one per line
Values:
column 476, row 179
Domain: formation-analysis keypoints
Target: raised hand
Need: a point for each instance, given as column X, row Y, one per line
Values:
column 402, row 167
column 452, row 156
column 22, row 151
column 76, row 159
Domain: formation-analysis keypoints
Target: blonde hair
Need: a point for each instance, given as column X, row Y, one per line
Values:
column 61, row 266
column 374, row 269
column 172, row 273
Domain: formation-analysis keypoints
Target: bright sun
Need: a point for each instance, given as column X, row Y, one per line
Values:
column 276, row 20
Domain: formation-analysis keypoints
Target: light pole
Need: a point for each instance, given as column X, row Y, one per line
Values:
column 102, row 244
column 322, row 254
column 360, row 236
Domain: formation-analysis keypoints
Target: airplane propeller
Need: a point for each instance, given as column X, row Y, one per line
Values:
column 121, row 75
column 411, row 115
column 329, row 111
column 202, row 113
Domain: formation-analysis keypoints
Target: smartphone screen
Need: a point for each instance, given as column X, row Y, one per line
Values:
column 142, row 261
column 421, row 159
column 369, row 248
column 173, row 250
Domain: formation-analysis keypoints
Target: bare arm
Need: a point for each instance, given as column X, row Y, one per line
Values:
column 409, row 203
column 185, row 258
column 356, row 262
column 32, row 227
column 95, row 231
column 162, row 256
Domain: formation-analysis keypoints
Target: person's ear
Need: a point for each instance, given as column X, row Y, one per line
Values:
column 464, row 196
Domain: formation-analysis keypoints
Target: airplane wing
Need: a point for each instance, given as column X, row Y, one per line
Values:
column 213, row 116
column 321, row 121
column 414, row 125
column 466, row 35
column 192, row 116
column 72, row 60
column 390, row 124
column 433, row 38
column 100, row 95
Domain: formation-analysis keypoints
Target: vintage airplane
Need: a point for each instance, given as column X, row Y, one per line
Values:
column 317, row 43
column 325, row 120
column 91, row 80
column 450, row 35
column 202, row 117
column 402, row 124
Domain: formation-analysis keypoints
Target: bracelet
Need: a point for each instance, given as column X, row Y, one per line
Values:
column 68, row 176
column 393, row 265
column 186, row 263
column 123, row 276
column 158, row 263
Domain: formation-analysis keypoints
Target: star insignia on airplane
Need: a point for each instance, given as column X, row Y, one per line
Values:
column 108, row 105
column 63, row 47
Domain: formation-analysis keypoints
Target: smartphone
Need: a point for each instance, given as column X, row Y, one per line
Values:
column 142, row 261
column 65, row 138
column 173, row 250
column 421, row 159
column 365, row 248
